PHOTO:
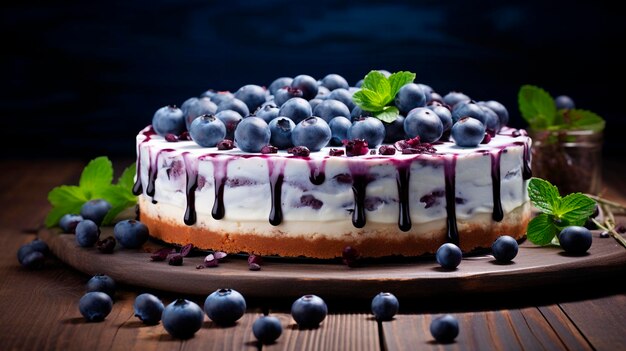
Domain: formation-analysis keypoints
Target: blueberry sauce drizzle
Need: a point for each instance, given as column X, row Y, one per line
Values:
column 191, row 186
column 153, row 172
column 402, row 179
column 318, row 175
column 138, row 187
column 497, row 214
column 359, row 184
column 449, row 167
column 219, row 174
column 276, row 189
column 526, row 170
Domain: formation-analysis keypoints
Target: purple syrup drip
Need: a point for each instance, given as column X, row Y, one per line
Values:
column 497, row 214
column 192, row 184
column 318, row 176
column 276, row 214
column 527, row 173
column 152, row 170
column 138, row 187
column 219, row 174
column 402, row 179
column 359, row 183
column 449, row 167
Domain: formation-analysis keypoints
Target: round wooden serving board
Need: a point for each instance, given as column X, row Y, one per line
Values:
column 533, row 267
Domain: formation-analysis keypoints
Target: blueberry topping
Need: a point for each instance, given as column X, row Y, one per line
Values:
column 306, row 84
column 207, row 130
column 87, row 233
column 339, row 130
column 328, row 109
column 283, row 94
column 385, row 305
column 225, row 144
column 444, row 115
column 369, row 129
column 394, row 131
column 334, row 81
column 102, row 283
column 168, row 119
column 297, row 109
column 358, row 112
column 131, row 233
column 95, row 210
column 387, row 150
column 148, row 308
column 409, row 97
column 230, row 119
column 309, row 311
column 356, row 147
column 279, row 83
column 95, row 306
column 444, row 328
column 343, row 95
column 252, row 95
column 281, row 129
column 252, row 134
column 312, row 132
column 449, row 256
column 454, row 97
column 182, row 318
column 575, row 240
column 267, row 113
column 225, row 306
column 269, row 149
column 423, row 122
column 235, row 105
column 468, row 109
column 195, row 107
column 221, row 96
column 504, row 248
column 301, row 151
column 499, row 109
column 267, row 329
column 468, row 132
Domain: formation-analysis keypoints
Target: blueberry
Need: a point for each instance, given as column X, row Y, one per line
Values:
column 328, row 109
column 359, row 83
column 225, row 306
column 267, row 112
column 504, row 248
column 68, row 222
column 309, row 311
column 575, row 240
column 423, row 122
column 252, row 95
column 148, row 308
column 267, row 329
column 435, row 97
column 306, row 84
column 315, row 102
column 370, row 129
column 499, row 109
column 207, row 130
column 468, row 132
column 95, row 210
column 427, row 89
column 33, row 260
column 168, row 120
column 322, row 93
column 95, row 306
column 444, row 328
column 296, row 108
column 343, row 95
column 334, row 81
column 469, row 109
column 358, row 112
column 283, row 94
column 339, row 130
column 182, row 318
column 221, row 96
column 384, row 72
column 409, row 97
column 235, row 105
column 312, row 132
column 449, row 256
column 492, row 121
column 564, row 102
column 281, row 128
column 384, row 306
column 444, row 115
column 40, row 246
column 279, row 83
column 32, row 255
column 102, row 283
column 131, row 233
column 230, row 119
column 454, row 97
column 87, row 233
column 195, row 107
column 252, row 134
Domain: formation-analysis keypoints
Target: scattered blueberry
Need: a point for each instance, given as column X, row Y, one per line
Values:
column 301, row 151
column 106, row 245
column 168, row 119
column 296, row 108
column 343, row 95
column 454, row 97
column 32, row 255
column 102, row 283
column 226, row 144
column 95, row 210
column 504, row 248
column 68, row 222
column 279, row 83
column 225, row 306
column 33, row 260
column 131, row 233
column 267, row 329
column 444, row 115
column 148, row 308
column 394, row 131
column 334, row 81
column 196, row 107
column 444, row 328
column 449, row 256
column 230, row 119
column 182, row 318
column 280, row 129
column 40, row 246
column 207, row 130
column 267, row 113
column 370, row 129
column 384, row 306
column 252, row 134
column 309, row 311
column 328, row 109
column 423, row 122
column 564, row 102
column 468, row 132
column 312, row 132
column 95, row 306
column 339, row 130
column 306, row 84
column 409, row 97
column 87, row 233
column 575, row 240
column 235, row 105
column 252, row 95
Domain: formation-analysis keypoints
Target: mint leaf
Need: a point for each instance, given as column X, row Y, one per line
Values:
column 65, row 199
column 369, row 100
column 536, row 106
column 576, row 208
column 388, row 114
column 126, row 182
column 378, row 93
column 116, row 196
column 582, row 119
column 377, row 82
column 541, row 229
column 400, row 79
column 544, row 195
column 98, row 173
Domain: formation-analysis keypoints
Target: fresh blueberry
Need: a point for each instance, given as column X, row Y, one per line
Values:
column 339, row 130
column 235, row 105
column 312, row 132
column 168, row 120
column 322, row 93
column 95, row 306
column 102, row 283
column 267, row 329
column 435, row 97
column 409, row 97
column 281, row 128
column 279, row 83
column 306, row 84
column 444, row 328
column 328, row 109
column 575, row 240
column 504, row 248
column 95, row 210
column 370, row 129
column 131, row 233
column 225, row 306
column 334, row 81
column 252, row 134
column 444, row 115
column 182, row 318
column 315, row 102
column 221, row 96
column 267, row 112
column 423, row 122
column 296, row 108
column 87, row 233
column 32, row 255
column 454, row 97
column 309, row 311
column 285, row 93
column 68, row 222
column 384, row 306
column 359, row 83
column 230, row 119
column 385, row 72
column 33, row 260
column 394, row 131
column 468, row 132
column 207, row 130
column 564, row 102
column 499, row 109
column 449, row 256
column 358, row 112
column 492, row 121
column 343, row 95
column 148, row 308
column 252, row 95
column 195, row 107
column 40, row 246
column 427, row 89
column 468, row 109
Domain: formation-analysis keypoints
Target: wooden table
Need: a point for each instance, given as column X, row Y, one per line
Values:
column 39, row 309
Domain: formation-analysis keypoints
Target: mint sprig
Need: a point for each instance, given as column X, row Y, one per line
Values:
column 378, row 93
column 95, row 183
column 539, row 110
column 557, row 212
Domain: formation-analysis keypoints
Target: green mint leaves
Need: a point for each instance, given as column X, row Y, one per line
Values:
column 539, row 110
column 556, row 212
column 95, row 183
column 378, row 92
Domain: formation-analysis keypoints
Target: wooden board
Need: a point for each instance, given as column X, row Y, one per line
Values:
column 533, row 267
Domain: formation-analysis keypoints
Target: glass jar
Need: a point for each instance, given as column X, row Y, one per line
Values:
column 569, row 159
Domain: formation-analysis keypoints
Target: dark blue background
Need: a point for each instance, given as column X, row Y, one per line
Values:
column 81, row 78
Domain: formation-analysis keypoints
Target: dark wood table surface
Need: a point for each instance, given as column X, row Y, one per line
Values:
column 39, row 309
